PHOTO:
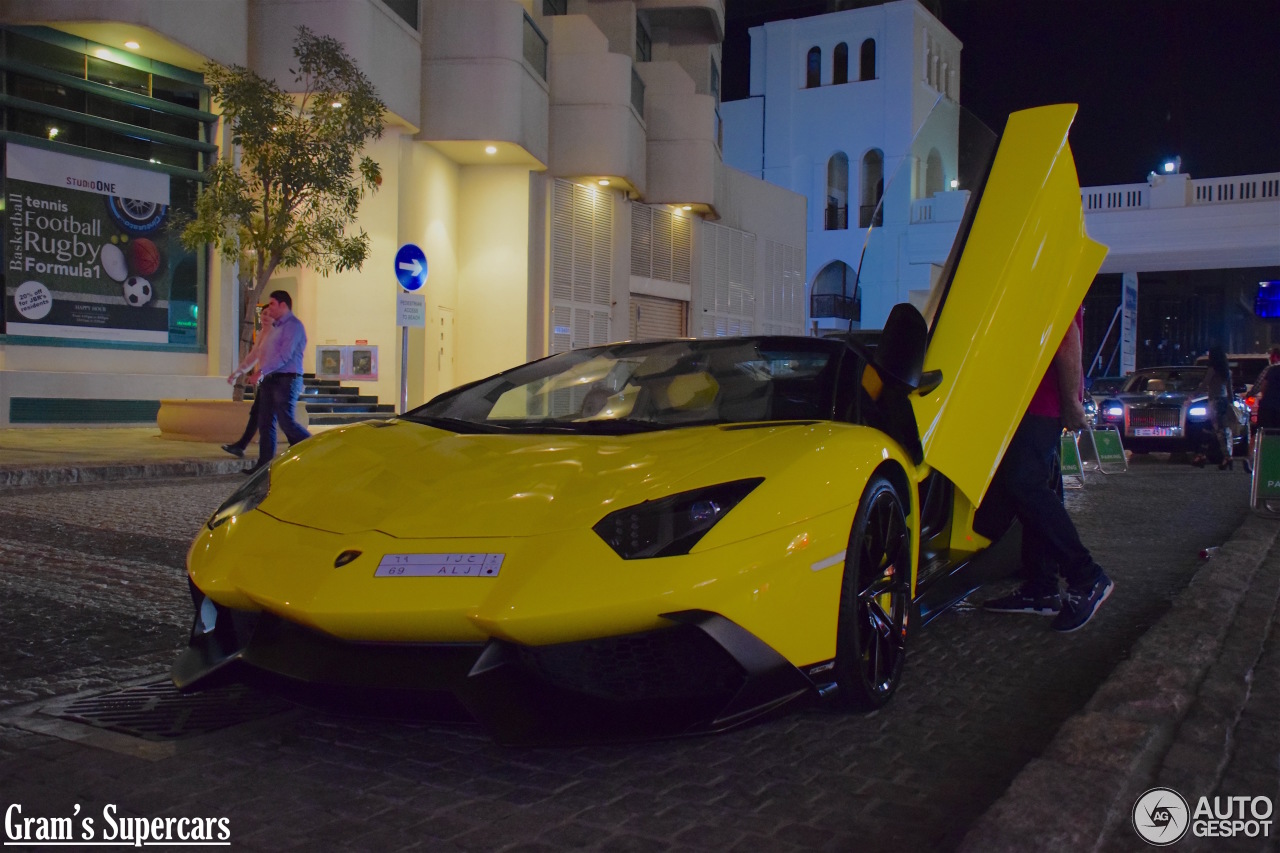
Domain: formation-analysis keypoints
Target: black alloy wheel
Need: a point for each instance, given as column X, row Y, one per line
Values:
column 874, row 600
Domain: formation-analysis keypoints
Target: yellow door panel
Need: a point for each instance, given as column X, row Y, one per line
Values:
column 1026, row 267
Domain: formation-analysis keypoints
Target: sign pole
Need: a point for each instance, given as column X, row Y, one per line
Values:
column 404, row 369
column 411, row 273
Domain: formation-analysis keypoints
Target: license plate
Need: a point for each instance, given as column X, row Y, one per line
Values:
column 1143, row 431
column 439, row 566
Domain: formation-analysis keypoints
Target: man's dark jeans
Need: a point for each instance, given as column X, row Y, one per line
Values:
column 277, row 395
column 1026, row 486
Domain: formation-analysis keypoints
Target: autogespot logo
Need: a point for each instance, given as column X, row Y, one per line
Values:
column 1160, row 816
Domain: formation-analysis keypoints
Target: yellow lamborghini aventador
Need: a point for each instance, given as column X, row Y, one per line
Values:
column 655, row 538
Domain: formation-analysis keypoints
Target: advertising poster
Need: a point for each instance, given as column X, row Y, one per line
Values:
column 87, row 251
column 1129, row 323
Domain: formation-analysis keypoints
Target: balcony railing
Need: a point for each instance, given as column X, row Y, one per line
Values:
column 870, row 216
column 1228, row 190
column 535, row 47
column 835, row 305
column 837, row 218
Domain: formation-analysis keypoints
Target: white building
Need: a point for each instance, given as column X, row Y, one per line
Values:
column 558, row 161
column 836, row 102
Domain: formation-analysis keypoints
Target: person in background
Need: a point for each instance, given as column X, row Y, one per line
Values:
column 280, row 379
column 248, row 368
column 1027, row 485
column 1267, row 390
column 1217, row 384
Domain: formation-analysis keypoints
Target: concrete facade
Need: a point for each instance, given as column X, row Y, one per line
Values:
column 500, row 116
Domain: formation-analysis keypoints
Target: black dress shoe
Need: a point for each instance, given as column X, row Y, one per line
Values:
column 234, row 450
column 256, row 467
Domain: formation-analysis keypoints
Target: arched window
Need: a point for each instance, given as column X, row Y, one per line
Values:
column 870, row 213
column 867, row 62
column 813, row 71
column 837, row 217
column 933, row 177
column 840, row 64
column 836, row 293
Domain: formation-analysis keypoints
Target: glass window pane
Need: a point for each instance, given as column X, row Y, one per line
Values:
column 44, row 92
column 177, row 92
column 118, row 76
column 46, row 55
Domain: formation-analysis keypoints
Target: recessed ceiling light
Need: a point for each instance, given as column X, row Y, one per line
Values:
column 491, row 149
column 604, row 182
column 687, row 207
column 132, row 45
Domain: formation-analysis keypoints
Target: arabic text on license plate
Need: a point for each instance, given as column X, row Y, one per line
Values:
column 439, row 566
column 1153, row 431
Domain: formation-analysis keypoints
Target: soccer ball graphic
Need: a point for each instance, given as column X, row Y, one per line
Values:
column 137, row 291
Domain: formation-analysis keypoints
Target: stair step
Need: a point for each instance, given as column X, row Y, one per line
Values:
column 321, row 419
column 354, row 408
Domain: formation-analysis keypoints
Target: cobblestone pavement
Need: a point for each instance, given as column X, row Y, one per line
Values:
column 94, row 597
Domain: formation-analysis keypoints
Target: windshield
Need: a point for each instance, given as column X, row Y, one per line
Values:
column 625, row 388
column 1165, row 380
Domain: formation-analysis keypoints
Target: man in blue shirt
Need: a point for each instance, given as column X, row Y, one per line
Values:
column 280, row 382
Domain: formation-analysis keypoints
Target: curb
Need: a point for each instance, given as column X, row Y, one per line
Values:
column 21, row 478
column 1082, row 789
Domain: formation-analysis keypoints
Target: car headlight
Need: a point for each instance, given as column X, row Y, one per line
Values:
column 671, row 526
column 1198, row 411
column 243, row 499
column 1113, row 411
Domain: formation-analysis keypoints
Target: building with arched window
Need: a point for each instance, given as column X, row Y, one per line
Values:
column 843, row 140
column 558, row 161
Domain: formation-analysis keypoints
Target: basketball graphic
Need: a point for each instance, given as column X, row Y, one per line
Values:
column 144, row 257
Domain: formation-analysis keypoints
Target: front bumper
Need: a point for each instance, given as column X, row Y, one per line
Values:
column 702, row 674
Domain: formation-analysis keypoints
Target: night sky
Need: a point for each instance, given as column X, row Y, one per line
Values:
column 1154, row 78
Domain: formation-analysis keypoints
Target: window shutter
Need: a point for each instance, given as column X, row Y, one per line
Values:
column 581, row 266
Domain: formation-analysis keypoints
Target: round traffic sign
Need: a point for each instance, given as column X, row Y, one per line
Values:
column 411, row 267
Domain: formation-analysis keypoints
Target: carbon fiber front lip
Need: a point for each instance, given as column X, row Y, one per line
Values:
column 703, row 674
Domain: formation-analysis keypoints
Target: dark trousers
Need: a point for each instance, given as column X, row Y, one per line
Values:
column 276, row 397
column 1027, row 485
column 251, row 427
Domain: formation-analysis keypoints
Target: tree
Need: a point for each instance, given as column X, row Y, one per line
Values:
column 299, row 175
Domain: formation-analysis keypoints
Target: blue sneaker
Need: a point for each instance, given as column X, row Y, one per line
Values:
column 1080, row 603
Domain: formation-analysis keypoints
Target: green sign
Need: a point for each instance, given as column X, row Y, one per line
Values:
column 1267, row 477
column 1071, row 455
column 1107, row 443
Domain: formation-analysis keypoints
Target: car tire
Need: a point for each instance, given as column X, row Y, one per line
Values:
column 875, row 596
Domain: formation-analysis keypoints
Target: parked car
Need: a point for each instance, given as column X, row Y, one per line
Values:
column 655, row 538
column 1167, row 409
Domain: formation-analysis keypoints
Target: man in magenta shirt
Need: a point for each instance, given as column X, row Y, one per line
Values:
column 1028, row 485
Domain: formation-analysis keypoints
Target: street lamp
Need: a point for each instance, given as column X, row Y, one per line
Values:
column 1172, row 166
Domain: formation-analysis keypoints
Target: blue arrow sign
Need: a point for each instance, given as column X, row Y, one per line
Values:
column 411, row 267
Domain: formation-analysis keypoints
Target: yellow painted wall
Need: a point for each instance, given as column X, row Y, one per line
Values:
column 493, row 270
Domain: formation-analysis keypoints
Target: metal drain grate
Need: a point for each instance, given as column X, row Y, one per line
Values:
column 157, row 711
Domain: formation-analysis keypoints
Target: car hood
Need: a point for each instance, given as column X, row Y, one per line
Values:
column 414, row 481
column 1026, row 266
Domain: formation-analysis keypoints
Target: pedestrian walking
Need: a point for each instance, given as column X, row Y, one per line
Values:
column 280, row 378
column 249, row 369
column 1026, row 486
column 1217, row 386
